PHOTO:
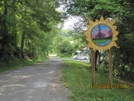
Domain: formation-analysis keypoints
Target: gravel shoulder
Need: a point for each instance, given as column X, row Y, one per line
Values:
column 39, row 82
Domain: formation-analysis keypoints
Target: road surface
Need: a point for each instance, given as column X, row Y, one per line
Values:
column 39, row 82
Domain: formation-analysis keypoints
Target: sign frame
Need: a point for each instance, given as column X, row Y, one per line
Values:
column 107, row 23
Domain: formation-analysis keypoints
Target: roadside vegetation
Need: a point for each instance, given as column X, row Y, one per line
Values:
column 123, row 58
column 16, row 63
column 30, row 31
column 77, row 78
column 27, row 31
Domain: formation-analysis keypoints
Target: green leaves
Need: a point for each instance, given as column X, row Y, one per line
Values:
column 27, row 27
column 124, row 10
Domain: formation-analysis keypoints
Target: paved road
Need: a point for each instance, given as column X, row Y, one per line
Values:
column 40, row 82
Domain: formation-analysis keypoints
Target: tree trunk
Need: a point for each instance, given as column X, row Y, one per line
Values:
column 96, row 54
column 23, row 36
column 22, row 44
column 4, row 43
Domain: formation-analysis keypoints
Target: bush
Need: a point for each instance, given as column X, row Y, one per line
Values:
column 65, row 48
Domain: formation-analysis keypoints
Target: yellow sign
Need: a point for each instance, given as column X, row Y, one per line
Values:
column 101, row 34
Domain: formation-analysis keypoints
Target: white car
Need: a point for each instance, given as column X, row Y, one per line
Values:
column 76, row 57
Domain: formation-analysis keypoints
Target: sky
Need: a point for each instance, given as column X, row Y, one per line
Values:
column 68, row 23
column 102, row 27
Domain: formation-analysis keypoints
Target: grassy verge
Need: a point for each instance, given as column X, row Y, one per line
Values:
column 16, row 63
column 77, row 77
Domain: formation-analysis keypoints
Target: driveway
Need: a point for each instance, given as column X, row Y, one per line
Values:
column 39, row 82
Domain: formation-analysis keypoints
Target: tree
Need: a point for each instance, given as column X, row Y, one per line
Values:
column 27, row 28
column 63, row 43
column 116, row 8
column 65, row 48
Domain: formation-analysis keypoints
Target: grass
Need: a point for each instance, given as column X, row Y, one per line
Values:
column 77, row 78
column 100, row 41
column 16, row 63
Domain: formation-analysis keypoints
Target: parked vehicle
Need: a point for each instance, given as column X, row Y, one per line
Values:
column 78, row 57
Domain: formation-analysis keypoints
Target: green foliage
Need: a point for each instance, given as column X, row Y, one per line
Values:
column 124, row 61
column 27, row 28
column 77, row 77
column 63, row 44
column 65, row 48
column 79, row 40
column 124, row 10
column 16, row 63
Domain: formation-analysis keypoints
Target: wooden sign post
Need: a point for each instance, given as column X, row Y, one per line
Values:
column 110, row 69
column 101, row 35
column 93, row 67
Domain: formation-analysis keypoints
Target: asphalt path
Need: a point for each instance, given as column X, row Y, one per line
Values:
column 39, row 82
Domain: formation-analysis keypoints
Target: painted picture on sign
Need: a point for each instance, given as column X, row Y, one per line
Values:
column 101, row 35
